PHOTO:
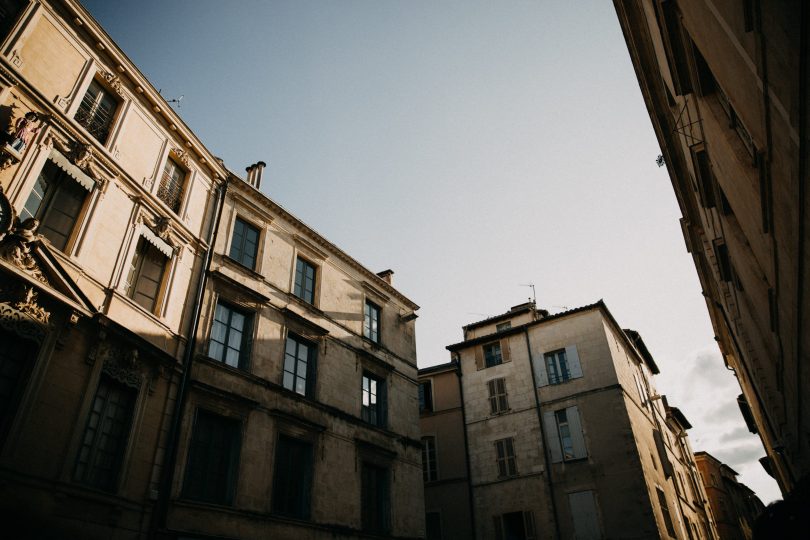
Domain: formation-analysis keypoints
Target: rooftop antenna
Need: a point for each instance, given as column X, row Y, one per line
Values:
column 176, row 100
column 533, row 299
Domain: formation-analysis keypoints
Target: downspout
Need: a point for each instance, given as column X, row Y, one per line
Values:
column 542, row 435
column 466, row 449
column 167, row 473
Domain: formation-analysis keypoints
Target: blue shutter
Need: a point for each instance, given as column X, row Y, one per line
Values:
column 574, row 367
column 575, row 427
column 552, row 436
column 540, row 374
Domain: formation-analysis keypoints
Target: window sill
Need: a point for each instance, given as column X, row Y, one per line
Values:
column 303, row 303
column 239, row 266
column 576, row 460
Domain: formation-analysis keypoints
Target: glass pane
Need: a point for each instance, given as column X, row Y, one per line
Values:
column 288, row 380
column 301, row 386
column 237, row 321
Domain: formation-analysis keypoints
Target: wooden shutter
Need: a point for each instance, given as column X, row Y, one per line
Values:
column 479, row 357
column 506, row 354
column 539, row 365
column 585, row 515
column 575, row 427
column 552, row 436
column 503, row 402
column 528, row 525
column 493, row 398
column 574, row 367
column 641, row 397
column 662, row 453
column 497, row 522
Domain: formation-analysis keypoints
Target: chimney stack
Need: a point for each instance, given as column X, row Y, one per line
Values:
column 387, row 275
column 254, row 174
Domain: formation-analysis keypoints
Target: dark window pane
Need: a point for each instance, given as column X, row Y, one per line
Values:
column 56, row 201
column 299, row 365
column 425, row 397
column 213, row 458
column 96, row 111
column 433, row 526
column 492, row 354
column 244, row 244
column 292, row 478
column 371, row 322
column 231, row 334
column 105, row 435
column 17, row 356
column 375, row 499
column 170, row 190
column 146, row 274
column 374, row 400
column 304, row 281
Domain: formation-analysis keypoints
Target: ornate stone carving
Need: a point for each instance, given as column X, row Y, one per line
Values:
column 163, row 227
column 21, row 324
column 119, row 362
column 24, row 299
column 181, row 155
column 113, row 81
column 16, row 248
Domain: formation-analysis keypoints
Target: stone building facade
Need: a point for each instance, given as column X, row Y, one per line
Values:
column 567, row 436
column 445, row 469
column 725, row 88
column 134, row 401
column 735, row 505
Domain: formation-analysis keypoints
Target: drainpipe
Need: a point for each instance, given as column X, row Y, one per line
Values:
column 167, row 473
column 542, row 435
column 466, row 447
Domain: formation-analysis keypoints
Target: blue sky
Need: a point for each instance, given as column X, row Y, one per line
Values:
column 471, row 147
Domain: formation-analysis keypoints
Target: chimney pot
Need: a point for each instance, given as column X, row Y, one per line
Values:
column 387, row 275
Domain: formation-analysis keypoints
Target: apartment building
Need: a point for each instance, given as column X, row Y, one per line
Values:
column 735, row 505
column 176, row 363
column 567, row 436
column 724, row 86
column 445, row 469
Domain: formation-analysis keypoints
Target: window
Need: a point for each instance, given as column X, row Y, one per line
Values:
column 17, row 356
column 105, row 435
column 292, row 477
column 304, row 281
column 557, row 367
column 675, row 48
column 375, row 499
column 96, row 111
column 502, row 327
column 231, row 334
column 371, row 322
column 425, row 396
column 9, row 12
column 705, row 178
column 146, row 274
column 505, row 457
column 244, row 244
column 662, row 501
column 723, row 260
column 299, row 365
column 514, row 526
column 585, row 515
column 492, row 354
column 56, row 201
column 433, row 526
column 213, row 456
column 498, row 401
column 566, row 441
column 170, row 190
column 429, row 472
column 373, row 410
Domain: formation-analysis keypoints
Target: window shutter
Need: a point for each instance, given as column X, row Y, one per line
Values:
column 552, row 436
column 574, row 367
column 642, row 399
column 528, row 524
column 503, row 402
column 493, row 399
column 498, row 527
column 506, row 354
column 575, row 427
column 540, row 370
column 382, row 397
column 662, row 453
column 479, row 357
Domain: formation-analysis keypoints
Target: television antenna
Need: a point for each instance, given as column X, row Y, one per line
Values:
column 176, row 100
column 534, row 293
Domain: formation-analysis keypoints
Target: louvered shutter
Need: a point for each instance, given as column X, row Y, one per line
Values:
column 540, row 374
column 479, row 357
column 575, row 427
column 528, row 525
column 493, row 398
column 506, row 354
column 574, row 367
column 503, row 402
column 662, row 453
column 552, row 436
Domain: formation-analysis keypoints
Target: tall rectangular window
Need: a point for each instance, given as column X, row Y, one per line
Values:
column 492, row 354
column 375, row 499
column 170, row 190
column 146, row 274
column 17, row 357
column 304, row 281
column 662, row 502
column 585, row 514
column 566, row 440
column 429, row 469
column 371, row 322
column 56, row 200
column 514, row 526
column 292, row 477
column 213, row 459
column 505, row 457
column 498, row 401
column 96, row 111
column 557, row 367
column 231, row 334
column 244, row 244
column 105, row 435
column 705, row 177
column 299, row 365
column 425, row 396
column 374, row 400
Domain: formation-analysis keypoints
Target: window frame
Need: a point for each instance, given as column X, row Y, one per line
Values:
column 299, row 289
column 491, row 359
column 238, row 253
column 232, row 467
column 104, row 91
column 376, row 415
column 245, row 346
column 665, row 514
column 505, row 457
column 430, row 465
column 498, row 395
column 310, row 373
column 183, row 181
column 305, row 496
column 555, row 361
column 134, row 275
column 425, row 398
column 371, row 331
column 382, row 483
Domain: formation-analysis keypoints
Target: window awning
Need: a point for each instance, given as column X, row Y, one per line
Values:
column 156, row 241
column 76, row 173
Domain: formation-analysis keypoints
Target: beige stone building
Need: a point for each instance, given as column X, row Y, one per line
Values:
column 735, row 505
column 723, row 83
column 445, row 469
column 567, row 436
column 142, row 395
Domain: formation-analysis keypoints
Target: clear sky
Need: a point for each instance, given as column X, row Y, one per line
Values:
column 470, row 146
